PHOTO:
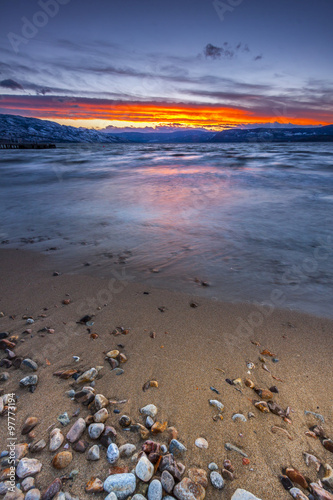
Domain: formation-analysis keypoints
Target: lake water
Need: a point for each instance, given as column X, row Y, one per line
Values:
column 253, row 220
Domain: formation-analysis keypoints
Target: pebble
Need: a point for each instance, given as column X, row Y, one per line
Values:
column 112, row 354
column 243, row 495
column 149, row 422
column 56, row 439
column 119, row 371
column 137, row 496
column 127, row 450
column 201, row 443
column 4, row 376
column 33, row 494
column 62, row 460
column 188, row 490
column 53, row 489
column 95, row 485
column 217, row 480
column 213, row 466
column 28, row 483
column 14, row 495
column 155, row 491
column 76, row 430
column 198, row 476
column 101, row 415
column 113, row 496
column 101, row 401
column 87, row 376
column 38, row 446
column 167, row 481
column 29, row 424
column 217, row 404
column 112, row 453
column 176, row 448
column 64, row 419
column 95, row 430
column 238, row 416
column 29, row 364
column 125, row 421
column 123, row 485
column 149, row 410
column 144, row 469
column 28, row 467
column 80, row 446
column 21, row 450
column 93, row 453
column 29, row 381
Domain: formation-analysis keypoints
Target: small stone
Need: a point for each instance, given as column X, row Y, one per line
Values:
column 158, row 428
column 201, row 443
column 62, row 460
column 56, row 439
column 217, row 480
column 4, row 376
column 64, row 419
column 28, row 483
column 14, row 494
column 95, row 485
column 144, row 469
column 95, row 430
column 109, row 436
column 87, row 376
column 112, row 453
column 76, row 430
column 149, row 410
column 167, row 481
column 29, row 364
column 243, row 495
column 21, row 450
column 155, row 490
column 101, row 401
column 227, row 474
column 118, row 371
column 28, row 467
column 188, row 490
column 127, row 450
column 112, row 354
column 125, row 421
column 52, row 490
column 122, row 358
column 29, row 424
column 164, row 449
column 33, row 494
column 149, row 422
column 93, row 453
column 80, row 446
column 176, row 448
column 38, row 446
column 113, row 363
column 123, row 485
column 213, row 466
column 101, row 415
column 137, row 496
column 29, row 381
column 113, row 496
column 198, row 476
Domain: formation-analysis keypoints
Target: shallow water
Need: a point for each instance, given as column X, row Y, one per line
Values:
column 254, row 220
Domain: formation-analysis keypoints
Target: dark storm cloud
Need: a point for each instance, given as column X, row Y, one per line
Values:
column 10, row 84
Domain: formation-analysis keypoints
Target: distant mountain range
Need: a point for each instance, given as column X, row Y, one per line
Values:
column 18, row 128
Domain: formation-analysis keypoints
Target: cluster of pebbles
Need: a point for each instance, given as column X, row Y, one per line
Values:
column 153, row 468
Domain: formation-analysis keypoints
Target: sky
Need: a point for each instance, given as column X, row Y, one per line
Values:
column 211, row 64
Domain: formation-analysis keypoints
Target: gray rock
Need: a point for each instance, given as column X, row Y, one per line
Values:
column 189, row 490
column 33, row 494
column 126, row 450
column 29, row 381
column 95, row 430
column 56, row 439
column 64, row 419
column 137, row 496
column 29, row 364
column 28, row 483
column 167, row 481
column 149, row 410
column 164, row 449
column 176, row 448
column 61, row 496
column 155, row 490
column 93, row 453
column 144, row 469
column 4, row 376
column 14, row 495
column 28, row 467
column 118, row 371
column 123, row 485
column 213, row 466
column 217, row 480
column 149, row 422
column 168, row 497
column 4, row 485
column 112, row 454
column 243, row 495
column 112, row 496
column 76, row 431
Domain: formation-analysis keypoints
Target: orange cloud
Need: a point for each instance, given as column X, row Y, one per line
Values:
column 155, row 113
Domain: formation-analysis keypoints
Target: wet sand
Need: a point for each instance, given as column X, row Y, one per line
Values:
column 194, row 349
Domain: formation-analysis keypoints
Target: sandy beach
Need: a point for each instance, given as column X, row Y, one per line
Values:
column 192, row 349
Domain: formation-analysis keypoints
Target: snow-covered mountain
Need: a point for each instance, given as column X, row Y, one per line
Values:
column 18, row 128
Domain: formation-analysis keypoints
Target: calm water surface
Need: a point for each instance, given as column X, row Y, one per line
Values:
column 251, row 219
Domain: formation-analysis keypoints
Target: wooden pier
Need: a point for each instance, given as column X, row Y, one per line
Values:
column 18, row 145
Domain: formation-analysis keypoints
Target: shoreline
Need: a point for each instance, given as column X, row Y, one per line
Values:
column 190, row 348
